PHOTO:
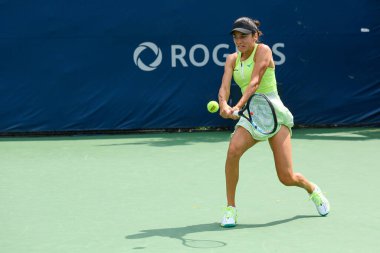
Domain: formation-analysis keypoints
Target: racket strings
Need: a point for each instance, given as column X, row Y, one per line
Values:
column 261, row 114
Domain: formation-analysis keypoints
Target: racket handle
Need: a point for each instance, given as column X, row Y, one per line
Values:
column 236, row 113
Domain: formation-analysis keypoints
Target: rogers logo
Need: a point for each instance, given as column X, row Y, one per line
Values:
column 198, row 55
column 156, row 50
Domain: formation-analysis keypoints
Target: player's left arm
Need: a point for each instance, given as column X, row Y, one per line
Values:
column 263, row 59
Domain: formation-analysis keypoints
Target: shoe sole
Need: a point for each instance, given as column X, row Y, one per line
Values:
column 228, row 225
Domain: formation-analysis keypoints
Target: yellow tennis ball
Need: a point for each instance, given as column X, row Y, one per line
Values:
column 212, row 106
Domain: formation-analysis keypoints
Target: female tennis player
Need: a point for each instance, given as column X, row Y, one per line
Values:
column 253, row 69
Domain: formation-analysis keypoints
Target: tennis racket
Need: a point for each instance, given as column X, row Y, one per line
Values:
column 260, row 112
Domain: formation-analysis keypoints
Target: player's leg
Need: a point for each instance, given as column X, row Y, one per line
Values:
column 240, row 142
column 282, row 152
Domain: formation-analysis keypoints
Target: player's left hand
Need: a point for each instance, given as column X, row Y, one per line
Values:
column 235, row 108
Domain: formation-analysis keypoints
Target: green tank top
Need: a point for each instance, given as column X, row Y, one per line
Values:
column 243, row 73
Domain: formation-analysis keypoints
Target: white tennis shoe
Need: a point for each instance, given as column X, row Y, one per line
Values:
column 230, row 217
column 320, row 201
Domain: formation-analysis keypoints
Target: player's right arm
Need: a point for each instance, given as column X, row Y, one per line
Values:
column 224, row 92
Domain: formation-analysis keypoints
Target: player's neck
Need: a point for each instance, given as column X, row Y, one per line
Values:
column 245, row 55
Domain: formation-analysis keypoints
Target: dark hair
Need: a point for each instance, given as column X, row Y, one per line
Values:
column 247, row 25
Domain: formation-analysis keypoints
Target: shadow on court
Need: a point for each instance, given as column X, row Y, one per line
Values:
column 343, row 134
column 181, row 232
column 165, row 140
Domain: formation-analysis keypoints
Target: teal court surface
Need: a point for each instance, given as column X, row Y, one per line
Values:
column 164, row 192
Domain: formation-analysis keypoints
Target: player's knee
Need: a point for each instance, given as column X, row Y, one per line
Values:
column 234, row 152
column 287, row 180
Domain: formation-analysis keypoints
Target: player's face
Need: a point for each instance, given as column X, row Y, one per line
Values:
column 244, row 42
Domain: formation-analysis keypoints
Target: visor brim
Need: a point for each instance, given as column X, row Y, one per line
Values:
column 242, row 30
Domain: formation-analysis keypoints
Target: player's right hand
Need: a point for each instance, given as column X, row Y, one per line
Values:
column 226, row 111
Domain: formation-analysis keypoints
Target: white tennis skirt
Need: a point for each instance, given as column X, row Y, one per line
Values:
column 284, row 117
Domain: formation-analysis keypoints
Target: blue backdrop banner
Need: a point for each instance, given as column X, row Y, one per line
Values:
column 121, row 65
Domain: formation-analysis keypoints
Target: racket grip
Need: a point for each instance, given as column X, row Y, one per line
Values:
column 236, row 113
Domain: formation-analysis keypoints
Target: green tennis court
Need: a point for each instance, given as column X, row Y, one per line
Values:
column 164, row 192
